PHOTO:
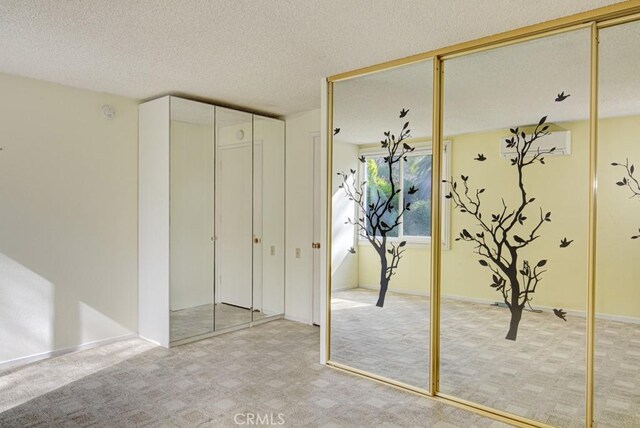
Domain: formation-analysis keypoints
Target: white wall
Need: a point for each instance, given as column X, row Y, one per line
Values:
column 68, row 217
column 299, row 228
column 271, row 223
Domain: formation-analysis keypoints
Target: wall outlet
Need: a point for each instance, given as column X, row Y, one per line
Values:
column 273, row 250
column 297, row 253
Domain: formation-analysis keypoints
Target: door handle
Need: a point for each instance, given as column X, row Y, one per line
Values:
column 315, row 245
column 257, row 240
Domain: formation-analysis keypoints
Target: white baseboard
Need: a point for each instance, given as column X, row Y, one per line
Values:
column 58, row 352
column 349, row 287
column 468, row 299
column 395, row 290
column 154, row 342
column 618, row 318
column 298, row 319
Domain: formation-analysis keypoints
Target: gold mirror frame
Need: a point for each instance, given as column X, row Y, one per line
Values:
column 595, row 20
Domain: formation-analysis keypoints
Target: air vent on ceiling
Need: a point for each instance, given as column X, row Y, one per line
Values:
column 561, row 140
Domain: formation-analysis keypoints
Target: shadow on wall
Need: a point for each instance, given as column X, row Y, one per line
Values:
column 35, row 316
column 27, row 315
column 343, row 237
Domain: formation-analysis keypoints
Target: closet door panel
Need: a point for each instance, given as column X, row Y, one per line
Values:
column 617, row 303
column 234, row 216
column 514, row 282
column 234, row 237
column 191, row 218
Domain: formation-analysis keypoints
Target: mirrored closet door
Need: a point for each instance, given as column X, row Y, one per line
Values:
column 617, row 303
column 191, row 219
column 234, row 213
column 512, row 319
column 381, row 224
column 211, row 204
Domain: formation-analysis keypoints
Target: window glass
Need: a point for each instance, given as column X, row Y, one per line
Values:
column 417, row 194
column 379, row 190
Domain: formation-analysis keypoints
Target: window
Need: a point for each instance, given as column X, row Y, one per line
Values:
column 415, row 173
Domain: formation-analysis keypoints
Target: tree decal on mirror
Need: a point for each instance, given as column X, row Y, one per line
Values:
column 503, row 236
column 379, row 215
column 630, row 181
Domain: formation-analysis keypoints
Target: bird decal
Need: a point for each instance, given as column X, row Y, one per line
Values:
column 362, row 159
column 403, row 113
column 564, row 243
column 560, row 313
column 561, row 97
column 353, row 171
column 412, row 190
column 352, row 250
column 480, row 158
column 335, row 131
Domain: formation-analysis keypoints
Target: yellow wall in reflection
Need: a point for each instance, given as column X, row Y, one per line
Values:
column 618, row 287
column 560, row 186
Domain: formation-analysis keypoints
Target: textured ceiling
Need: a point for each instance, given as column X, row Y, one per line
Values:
column 266, row 55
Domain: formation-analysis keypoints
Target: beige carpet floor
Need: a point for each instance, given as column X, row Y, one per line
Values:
column 540, row 376
column 269, row 369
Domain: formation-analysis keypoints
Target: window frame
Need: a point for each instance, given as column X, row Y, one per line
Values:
column 421, row 149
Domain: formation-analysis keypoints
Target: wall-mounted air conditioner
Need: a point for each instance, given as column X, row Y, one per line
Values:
column 561, row 140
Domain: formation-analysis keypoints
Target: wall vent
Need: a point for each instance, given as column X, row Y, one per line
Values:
column 561, row 140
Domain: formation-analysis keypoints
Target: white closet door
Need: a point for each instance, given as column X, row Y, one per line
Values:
column 234, row 225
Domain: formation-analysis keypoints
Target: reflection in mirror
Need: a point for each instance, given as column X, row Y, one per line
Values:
column 268, row 217
column 514, row 281
column 381, row 196
column 617, row 353
column 234, row 240
column 191, row 210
